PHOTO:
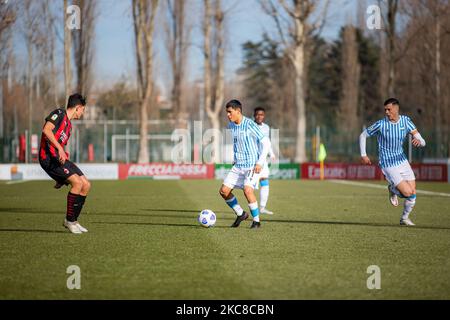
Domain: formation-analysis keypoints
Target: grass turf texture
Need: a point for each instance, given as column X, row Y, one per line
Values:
column 144, row 242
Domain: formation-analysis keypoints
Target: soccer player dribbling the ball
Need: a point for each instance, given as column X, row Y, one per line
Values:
column 391, row 133
column 249, row 159
column 54, row 159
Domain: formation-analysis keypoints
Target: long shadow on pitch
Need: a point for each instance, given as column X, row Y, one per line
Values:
column 30, row 210
column 195, row 211
column 157, row 224
column 365, row 224
column 32, row 230
column 176, row 210
column 61, row 211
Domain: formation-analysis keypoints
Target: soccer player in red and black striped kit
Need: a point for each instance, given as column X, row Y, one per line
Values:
column 54, row 159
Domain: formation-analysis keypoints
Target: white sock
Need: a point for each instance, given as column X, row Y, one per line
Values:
column 408, row 206
column 233, row 204
column 263, row 196
column 254, row 210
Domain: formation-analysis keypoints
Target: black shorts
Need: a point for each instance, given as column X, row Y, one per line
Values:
column 60, row 172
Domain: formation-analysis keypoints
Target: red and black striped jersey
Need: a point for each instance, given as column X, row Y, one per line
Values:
column 62, row 130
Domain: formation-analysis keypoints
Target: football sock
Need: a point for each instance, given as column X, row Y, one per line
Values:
column 408, row 206
column 233, row 204
column 72, row 206
column 254, row 210
column 264, row 193
column 395, row 191
column 80, row 202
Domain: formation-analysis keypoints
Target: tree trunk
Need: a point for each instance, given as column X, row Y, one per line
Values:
column 144, row 20
column 214, row 93
column 207, row 55
column 83, row 48
column 300, row 151
column 67, row 57
column 391, row 31
column 348, row 120
column 177, row 33
column 30, row 96
column 298, row 60
column 438, row 85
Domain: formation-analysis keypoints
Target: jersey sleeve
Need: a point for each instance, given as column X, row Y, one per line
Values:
column 373, row 129
column 256, row 131
column 55, row 117
column 410, row 125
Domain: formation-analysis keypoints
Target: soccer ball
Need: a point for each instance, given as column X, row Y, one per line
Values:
column 207, row 218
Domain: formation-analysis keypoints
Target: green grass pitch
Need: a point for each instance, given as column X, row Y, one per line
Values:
column 144, row 242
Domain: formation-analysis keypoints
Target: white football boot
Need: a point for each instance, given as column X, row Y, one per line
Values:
column 393, row 198
column 406, row 222
column 72, row 226
column 82, row 229
column 264, row 210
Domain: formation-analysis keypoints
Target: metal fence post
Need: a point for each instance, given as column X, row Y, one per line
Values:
column 127, row 145
column 26, row 146
column 105, row 142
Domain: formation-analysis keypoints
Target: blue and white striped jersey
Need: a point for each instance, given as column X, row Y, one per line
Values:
column 246, row 140
column 391, row 137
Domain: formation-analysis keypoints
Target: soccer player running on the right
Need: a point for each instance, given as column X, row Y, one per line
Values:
column 391, row 133
column 260, row 115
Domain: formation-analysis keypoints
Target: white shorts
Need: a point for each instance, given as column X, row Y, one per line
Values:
column 265, row 171
column 402, row 172
column 238, row 178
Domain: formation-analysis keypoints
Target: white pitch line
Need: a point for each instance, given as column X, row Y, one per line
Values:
column 16, row 181
column 377, row 186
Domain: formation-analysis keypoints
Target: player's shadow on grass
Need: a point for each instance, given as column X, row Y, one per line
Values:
column 30, row 210
column 196, row 211
column 157, row 224
column 192, row 213
column 32, row 231
column 350, row 223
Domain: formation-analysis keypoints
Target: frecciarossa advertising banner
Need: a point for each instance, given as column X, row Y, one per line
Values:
column 166, row 171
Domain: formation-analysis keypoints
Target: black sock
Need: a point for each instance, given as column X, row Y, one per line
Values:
column 71, row 207
column 80, row 202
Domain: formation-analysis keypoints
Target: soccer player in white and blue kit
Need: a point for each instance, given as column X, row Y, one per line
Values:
column 250, row 148
column 259, row 115
column 391, row 133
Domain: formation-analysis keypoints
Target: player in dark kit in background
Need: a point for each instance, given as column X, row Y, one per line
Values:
column 54, row 159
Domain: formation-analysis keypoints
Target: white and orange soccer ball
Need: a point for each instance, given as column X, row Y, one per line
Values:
column 207, row 218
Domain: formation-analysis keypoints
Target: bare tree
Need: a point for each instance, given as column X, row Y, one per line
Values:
column 351, row 70
column 31, row 34
column 214, row 62
column 395, row 50
column 144, row 12
column 7, row 19
column 67, row 56
column 83, row 45
column 177, row 32
column 435, row 13
column 390, row 30
column 50, row 46
column 292, row 22
column 428, row 81
column 439, row 11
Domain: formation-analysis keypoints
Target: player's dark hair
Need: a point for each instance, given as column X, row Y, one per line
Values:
column 259, row 109
column 75, row 100
column 235, row 104
column 392, row 101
